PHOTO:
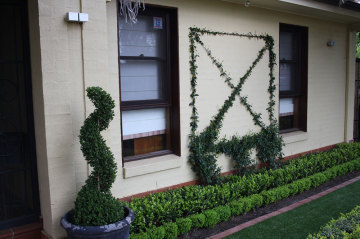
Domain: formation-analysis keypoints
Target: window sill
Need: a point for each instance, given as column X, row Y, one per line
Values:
column 295, row 136
column 151, row 165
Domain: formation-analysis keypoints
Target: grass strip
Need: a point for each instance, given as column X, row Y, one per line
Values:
column 308, row 218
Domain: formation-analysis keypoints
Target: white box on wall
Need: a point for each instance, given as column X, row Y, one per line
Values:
column 83, row 17
column 72, row 17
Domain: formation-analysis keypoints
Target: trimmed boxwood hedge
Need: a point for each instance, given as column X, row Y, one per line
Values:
column 160, row 208
column 243, row 205
column 347, row 226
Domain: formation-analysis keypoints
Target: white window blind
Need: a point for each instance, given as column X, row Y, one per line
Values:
column 141, row 80
column 141, row 39
column 286, row 46
column 143, row 123
column 286, row 107
column 286, row 77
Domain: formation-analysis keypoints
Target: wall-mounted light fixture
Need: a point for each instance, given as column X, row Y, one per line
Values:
column 331, row 43
column 77, row 17
column 247, row 3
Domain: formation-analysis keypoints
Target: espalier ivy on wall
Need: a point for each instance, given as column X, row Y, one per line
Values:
column 205, row 146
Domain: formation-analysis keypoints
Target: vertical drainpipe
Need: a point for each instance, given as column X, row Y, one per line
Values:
column 350, row 84
column 83, row 71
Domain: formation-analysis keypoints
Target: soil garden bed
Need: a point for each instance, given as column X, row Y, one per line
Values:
column 234, row 221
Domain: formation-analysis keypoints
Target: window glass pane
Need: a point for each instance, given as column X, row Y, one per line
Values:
column 286, row 114
column 286, row 106
column 144, row 38
column 149, row 144
column 144, row 145
column 286, row 46
column 286, row 122
column 287, row 77
column 142, row 80
column 292, row 77
column 145, row 122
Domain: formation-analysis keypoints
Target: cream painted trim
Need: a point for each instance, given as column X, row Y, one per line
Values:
column 293, row 137
column 308, row 8
column 350, row 86
column 320, row 6
column 151, row 165
column 355, row 27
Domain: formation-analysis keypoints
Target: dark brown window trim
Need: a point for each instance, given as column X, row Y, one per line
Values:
column 284, row 131
column 173, row 83
column 144, row 106
column 148, row 155
column 142, row 58
column 302, row 70
column 289, row 94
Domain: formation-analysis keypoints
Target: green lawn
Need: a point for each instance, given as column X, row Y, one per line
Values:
column 305, row 219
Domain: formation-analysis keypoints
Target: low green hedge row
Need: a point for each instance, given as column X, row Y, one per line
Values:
column 309, row 164
column 211, row 217
column 160, row 208
column 347, row 226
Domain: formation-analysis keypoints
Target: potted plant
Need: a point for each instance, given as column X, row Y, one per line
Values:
column 97, row 214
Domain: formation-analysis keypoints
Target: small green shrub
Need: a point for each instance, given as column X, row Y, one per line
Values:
column 256, row 200
column 198, row 220
column 156, row 232
column 184, row 225
column 237, row 207
column 171, row 230
column 269, row 196
column 224, row 212
column 294, row 188
column 141, row 235
column 247, row 204
column 211, row 218
column 353, row 235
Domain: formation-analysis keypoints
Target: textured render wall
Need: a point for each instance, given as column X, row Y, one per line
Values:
column 350, row 86
column 38, row 107
column 326, row 79
column 75, row 56
column 63, row 109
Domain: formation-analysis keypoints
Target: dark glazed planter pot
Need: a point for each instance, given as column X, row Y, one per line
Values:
column 118, row 230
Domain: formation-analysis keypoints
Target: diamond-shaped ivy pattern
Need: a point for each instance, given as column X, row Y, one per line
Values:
column 205, row 145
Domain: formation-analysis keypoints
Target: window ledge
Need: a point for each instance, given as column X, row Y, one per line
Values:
column 293, row 137
column 151, row 165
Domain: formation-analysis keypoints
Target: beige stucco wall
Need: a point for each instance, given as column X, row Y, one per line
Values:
column 326, row 79
column 68, row 57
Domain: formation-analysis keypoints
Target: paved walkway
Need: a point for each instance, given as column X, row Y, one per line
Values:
column 282, row 210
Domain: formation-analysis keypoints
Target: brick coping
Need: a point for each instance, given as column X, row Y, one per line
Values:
column 28, row 231
column 281, row 210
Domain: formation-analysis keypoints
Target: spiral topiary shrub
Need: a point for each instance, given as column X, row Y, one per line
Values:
column 94, row 204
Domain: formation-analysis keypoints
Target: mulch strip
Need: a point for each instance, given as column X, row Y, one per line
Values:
column 237, row 220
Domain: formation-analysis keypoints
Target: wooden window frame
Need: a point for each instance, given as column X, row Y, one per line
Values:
column 171, row 82
column 301, row 75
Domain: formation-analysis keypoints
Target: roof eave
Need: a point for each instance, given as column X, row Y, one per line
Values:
column 310, row 8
